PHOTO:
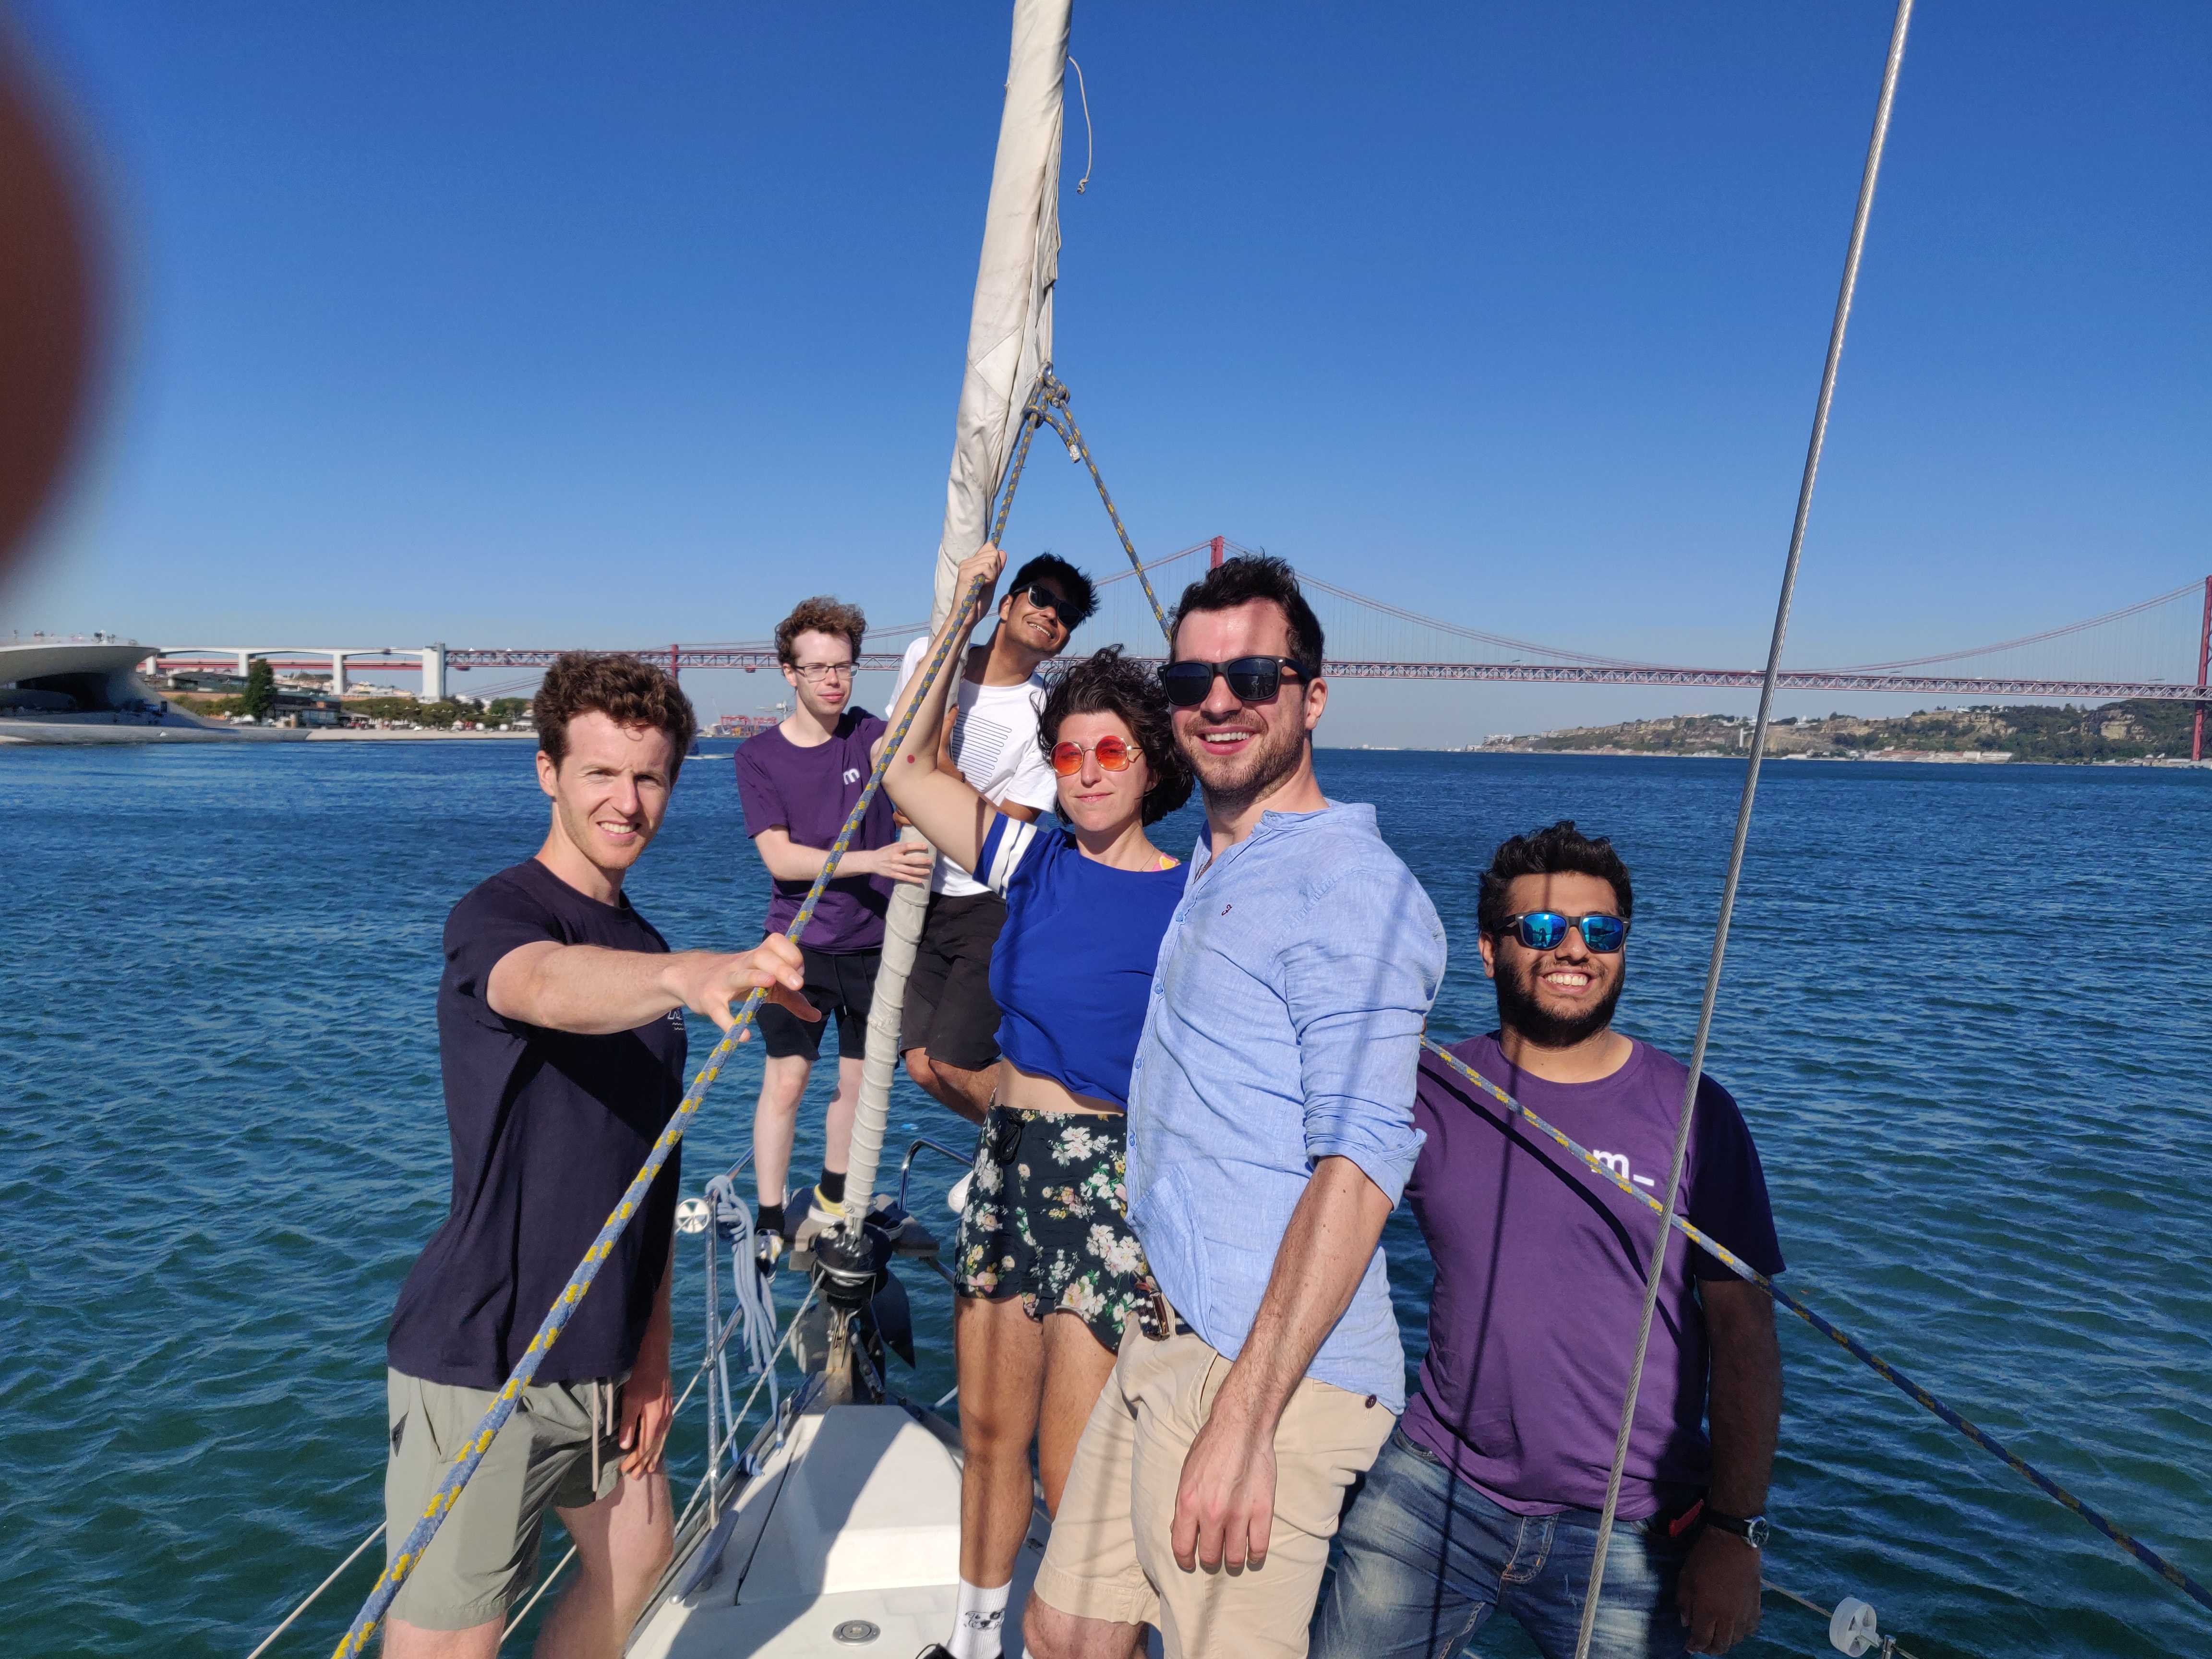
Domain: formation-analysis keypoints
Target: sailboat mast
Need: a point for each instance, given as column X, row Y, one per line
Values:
column 1009, row 345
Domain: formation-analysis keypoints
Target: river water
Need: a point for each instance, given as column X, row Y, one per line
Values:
column 1964, row 1012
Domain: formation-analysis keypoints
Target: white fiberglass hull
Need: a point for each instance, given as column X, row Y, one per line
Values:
column 847, row 1542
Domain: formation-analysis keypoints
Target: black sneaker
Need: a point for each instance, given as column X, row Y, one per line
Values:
column 768, row 1248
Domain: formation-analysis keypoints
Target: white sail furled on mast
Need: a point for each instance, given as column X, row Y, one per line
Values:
column 1009, row 346
column 1010, row 325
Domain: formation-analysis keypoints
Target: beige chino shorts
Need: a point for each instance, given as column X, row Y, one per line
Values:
column 485, row 1554
column 1109, row 1556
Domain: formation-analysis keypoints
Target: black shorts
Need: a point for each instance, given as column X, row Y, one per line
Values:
column 841, row 987
column 949, row 1011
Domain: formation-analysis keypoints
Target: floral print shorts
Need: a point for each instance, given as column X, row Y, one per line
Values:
column 1046, row 1220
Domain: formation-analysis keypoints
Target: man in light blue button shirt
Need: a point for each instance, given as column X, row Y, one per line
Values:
column 1271, row 1133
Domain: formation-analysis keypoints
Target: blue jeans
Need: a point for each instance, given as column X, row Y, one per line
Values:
column 1426, row 1559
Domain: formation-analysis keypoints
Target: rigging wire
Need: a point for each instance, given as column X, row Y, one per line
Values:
column 1820, row 407
column 1090, row 144
column 313, row 1595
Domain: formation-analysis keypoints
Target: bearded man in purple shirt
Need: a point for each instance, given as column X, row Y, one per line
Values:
column 1485, row 1498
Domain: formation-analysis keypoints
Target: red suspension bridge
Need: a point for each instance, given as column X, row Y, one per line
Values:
column 2158, row 648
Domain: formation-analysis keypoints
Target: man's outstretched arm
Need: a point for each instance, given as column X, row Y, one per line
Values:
column 1718, row 1594
column 1226, row 1501
column 594, row 991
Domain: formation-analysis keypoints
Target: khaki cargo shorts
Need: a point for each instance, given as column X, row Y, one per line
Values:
column 485, row 1555
column 1111, row 1556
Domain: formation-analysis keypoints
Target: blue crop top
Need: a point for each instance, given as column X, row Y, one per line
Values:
column 1073, row 969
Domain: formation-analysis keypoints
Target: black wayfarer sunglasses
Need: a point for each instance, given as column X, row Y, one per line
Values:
column 1042, row 598
column 1251, row 680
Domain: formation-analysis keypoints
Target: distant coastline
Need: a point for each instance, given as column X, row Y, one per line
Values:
column 2140, row 733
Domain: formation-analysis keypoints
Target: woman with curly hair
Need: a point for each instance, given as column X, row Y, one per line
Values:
column 1048, row 1271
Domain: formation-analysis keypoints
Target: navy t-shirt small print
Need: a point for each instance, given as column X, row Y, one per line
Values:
column 548, row 1129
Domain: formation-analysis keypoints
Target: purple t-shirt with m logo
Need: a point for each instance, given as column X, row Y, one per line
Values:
column 1540, row 1278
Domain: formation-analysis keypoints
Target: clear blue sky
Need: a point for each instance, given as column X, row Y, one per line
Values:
column 569, row 325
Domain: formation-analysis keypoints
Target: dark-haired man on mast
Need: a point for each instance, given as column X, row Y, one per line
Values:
column 951, row 1037
column 1486, row 1498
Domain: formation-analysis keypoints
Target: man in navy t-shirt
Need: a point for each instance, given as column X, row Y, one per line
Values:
column 1486, row 1497
column 561, row 1038
column 797, row 782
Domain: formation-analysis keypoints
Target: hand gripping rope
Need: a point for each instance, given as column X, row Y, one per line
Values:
column 356, row 1640
column 1850, row 1344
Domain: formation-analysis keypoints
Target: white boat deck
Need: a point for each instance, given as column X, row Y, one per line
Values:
column 848, row 1543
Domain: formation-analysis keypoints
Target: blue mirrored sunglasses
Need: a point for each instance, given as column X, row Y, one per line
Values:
column 1547, row 930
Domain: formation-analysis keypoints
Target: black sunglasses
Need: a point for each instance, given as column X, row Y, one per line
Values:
column 1251, row 680
column 1042, row 598
column 1547, row 930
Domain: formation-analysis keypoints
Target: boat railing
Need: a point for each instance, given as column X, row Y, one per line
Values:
column 919, row 1143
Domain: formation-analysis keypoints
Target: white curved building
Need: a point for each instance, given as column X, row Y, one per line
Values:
column 88, row 690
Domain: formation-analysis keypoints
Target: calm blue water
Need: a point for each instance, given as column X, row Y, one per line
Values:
column 1964, row 1011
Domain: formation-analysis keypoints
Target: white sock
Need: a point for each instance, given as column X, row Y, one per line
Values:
column 977, row 1621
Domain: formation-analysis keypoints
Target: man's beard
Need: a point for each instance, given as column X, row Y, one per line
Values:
column 1270, row 755
column 1518, row 1010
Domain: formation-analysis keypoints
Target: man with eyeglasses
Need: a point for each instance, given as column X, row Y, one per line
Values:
column 1270, row 1128
column 949, row 1037
column 1486, row 1498
column 797, row 782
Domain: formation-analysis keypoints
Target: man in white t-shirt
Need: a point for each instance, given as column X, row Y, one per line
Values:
column 950, row 1039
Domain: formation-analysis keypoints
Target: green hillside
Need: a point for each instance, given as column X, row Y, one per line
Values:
column 2141, row 729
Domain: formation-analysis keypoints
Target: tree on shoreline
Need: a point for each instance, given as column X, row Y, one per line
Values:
column 260, row 698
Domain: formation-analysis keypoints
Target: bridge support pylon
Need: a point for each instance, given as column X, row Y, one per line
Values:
column 433, row 673
column 2204, row 662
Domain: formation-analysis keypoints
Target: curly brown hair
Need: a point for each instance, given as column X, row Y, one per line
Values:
column 820, row 615
column 1557, row 849
column 1107, row 683
column 626, row 690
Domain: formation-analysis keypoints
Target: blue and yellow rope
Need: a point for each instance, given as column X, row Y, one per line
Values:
column 1850, row 1344
column 409, row 1553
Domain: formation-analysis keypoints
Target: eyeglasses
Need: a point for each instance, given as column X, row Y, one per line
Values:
column 1043, row 599
column 1547, row 930
column 1251, row 680
column 1114, row 754
column 815, row 672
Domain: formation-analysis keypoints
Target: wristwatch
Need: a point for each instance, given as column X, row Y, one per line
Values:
column 1753, row 1531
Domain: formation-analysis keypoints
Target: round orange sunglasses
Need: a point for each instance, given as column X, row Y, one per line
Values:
column 1114, row 754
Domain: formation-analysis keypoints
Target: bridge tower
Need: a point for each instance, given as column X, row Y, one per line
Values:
column 433, row 673
column 2204, row 662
